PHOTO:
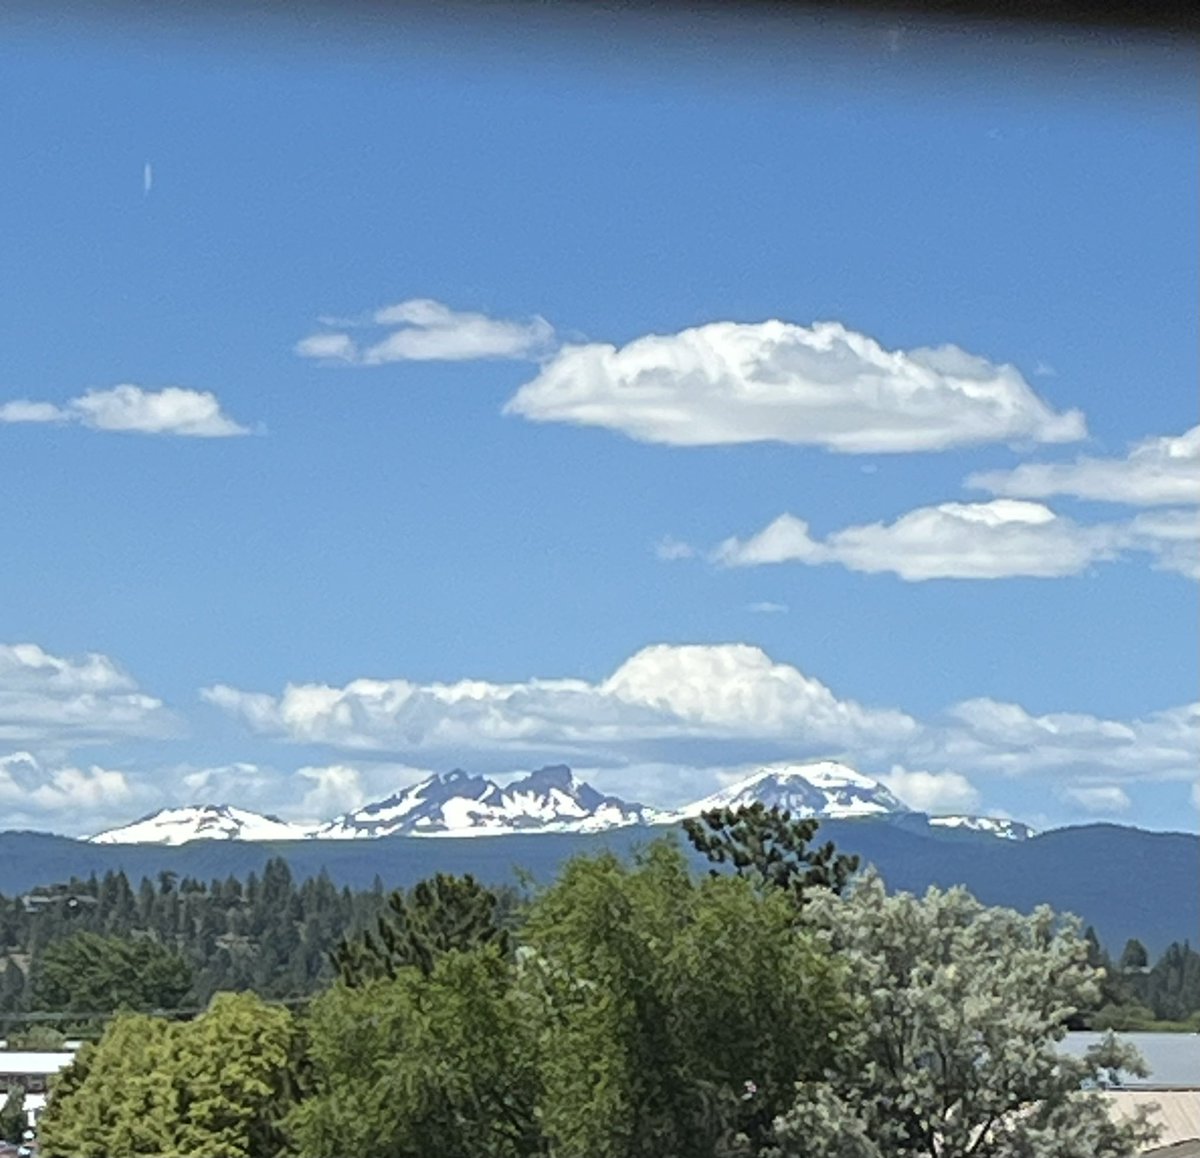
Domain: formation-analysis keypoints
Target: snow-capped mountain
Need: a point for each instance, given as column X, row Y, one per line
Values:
column 826, row 788
column 551, row 799
column 996, row 826
column 202, row 822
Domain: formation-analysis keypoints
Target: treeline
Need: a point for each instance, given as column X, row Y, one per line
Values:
column 781, row 1006
column 100, row 943
column 1139, row 995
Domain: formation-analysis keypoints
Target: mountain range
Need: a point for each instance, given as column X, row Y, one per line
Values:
column 1124, row 881
column 551, row 799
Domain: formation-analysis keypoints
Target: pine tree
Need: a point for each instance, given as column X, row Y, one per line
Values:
column 440, row 915
column 769, row 844
column 13, row 1120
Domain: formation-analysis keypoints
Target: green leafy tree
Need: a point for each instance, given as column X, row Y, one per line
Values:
column 92, row 973
column 117, row 1096
column 954, row 1051
column 221, row 1084
column 423, row 1063
column 772, row 846
column 38, row 1037
column 679, row 1012
column 440, row 915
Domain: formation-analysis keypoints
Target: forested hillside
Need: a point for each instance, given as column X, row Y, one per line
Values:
column 265, row 933
column 90, row 946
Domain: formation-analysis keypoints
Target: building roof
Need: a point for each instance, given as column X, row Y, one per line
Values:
column 30, row 1063
column 1178, row 1113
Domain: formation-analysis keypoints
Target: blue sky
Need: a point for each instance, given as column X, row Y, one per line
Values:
column 184, row 207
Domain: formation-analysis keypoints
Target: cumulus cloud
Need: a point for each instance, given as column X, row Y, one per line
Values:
column 1099, row 799
column 994, row 540
column 51, row 700
column 29, row 788
column 662, row 693
column 823, row 385
column 131, row 409
column 938, row 793
column 695, row 706
column 1156, row 472
column 423, row 330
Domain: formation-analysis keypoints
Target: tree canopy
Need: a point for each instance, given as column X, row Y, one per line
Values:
column 220, row 1084
column 954, row 1049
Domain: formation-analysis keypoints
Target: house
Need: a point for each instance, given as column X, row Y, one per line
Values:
column 31, row 1070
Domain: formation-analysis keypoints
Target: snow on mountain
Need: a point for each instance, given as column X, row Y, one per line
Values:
column 202, row 822
column 996, row 826
column 825, row 788
column 551, row 799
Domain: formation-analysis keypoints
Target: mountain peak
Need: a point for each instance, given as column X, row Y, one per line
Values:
column 824, row 788
column 551, row 776
column 549, row 799
column 175, row 826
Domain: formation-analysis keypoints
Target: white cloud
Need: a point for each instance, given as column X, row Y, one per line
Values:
column 766, row 607
column 938, row 793
column 1099, row 799
column 336, row 789
column 30, row 788
column 247, row 785
column 670, row 549
column 672, row 720
column 999, row 539
column 46, row 699
column 422, row 330
column 773, row 381
column 22, row 410
column 992, row 736
column 1156, row 472
column 1196, row 792
column 132, row 409
column 309, row 793
column 173, row 410
column 1172, row 536
column 661, row 694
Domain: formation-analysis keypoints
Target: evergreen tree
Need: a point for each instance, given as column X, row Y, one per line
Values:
column 769, row 844
column 1134, row 956
column 13, row 1120
column 440, row 915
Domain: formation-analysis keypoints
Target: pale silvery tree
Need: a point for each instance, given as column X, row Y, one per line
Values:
column 954, row 1049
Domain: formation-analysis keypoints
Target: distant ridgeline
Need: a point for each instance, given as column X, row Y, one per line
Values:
column 171, row 942
column 1125, row 882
